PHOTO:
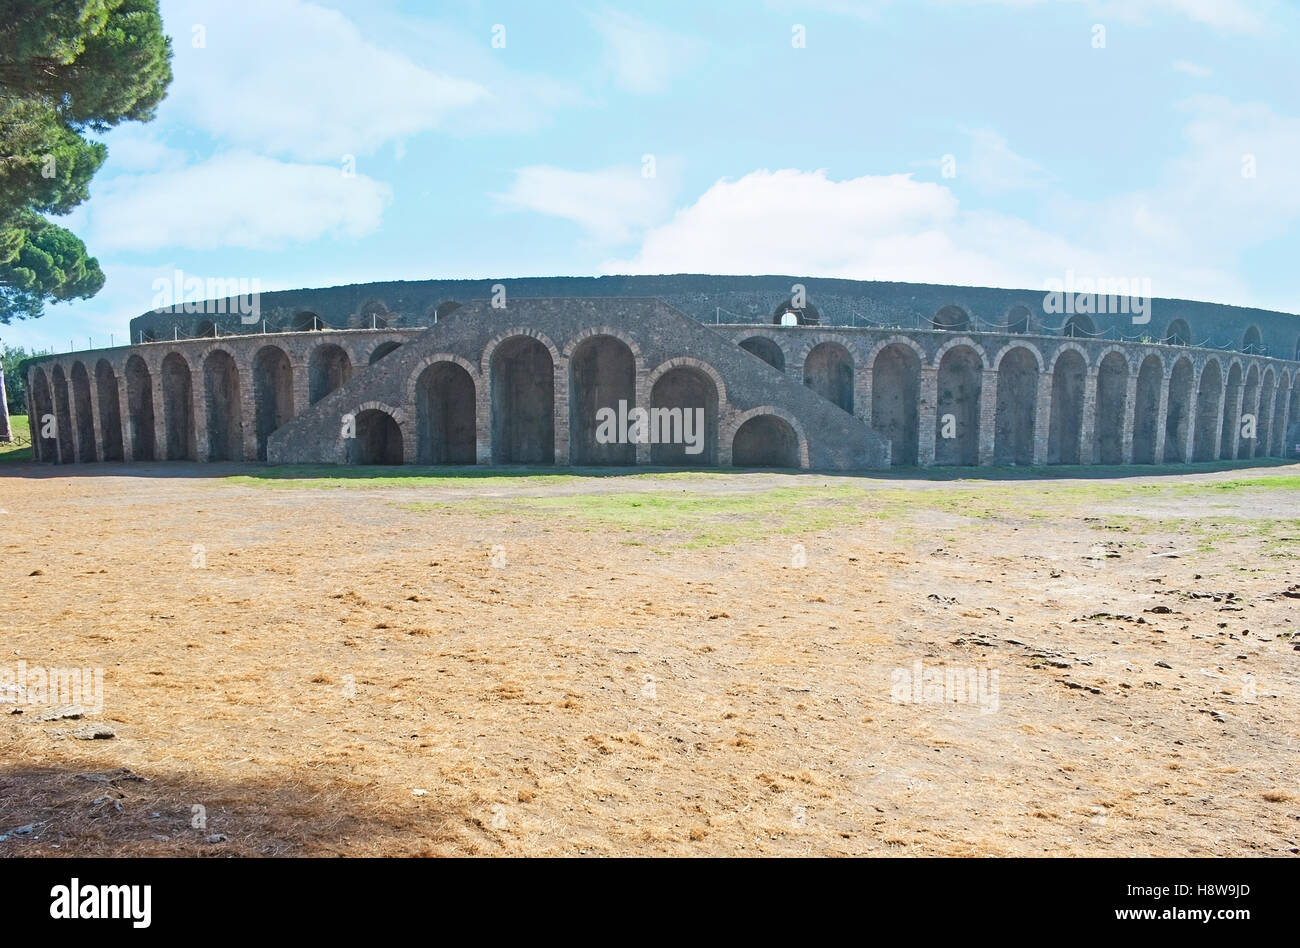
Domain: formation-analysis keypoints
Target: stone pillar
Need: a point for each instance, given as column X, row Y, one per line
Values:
column 1130, row 418
column 96, row 434
column 642, row 389
column 199, row 412
column 1088, row 423
column 159, row 416
column 1253, row 409
column 1281, row 438
column 926, row 415
column 248, row 411
column 1218, row 423
column 862, row 394
column 1193, row 407
column 1162, row 418
column 74, row 435
column 988, row 415
column 1042, row 417
column 561, row 409
column 1232, row 411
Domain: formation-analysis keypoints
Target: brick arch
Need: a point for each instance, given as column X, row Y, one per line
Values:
column 962, row 340
column 400, row 417
column 897, row 339
column 729, row 427
column 1019, row 344
column 1125, row 353
column 1064, row 347
column 574, row 342
column 413, row 379
column 485, row 360
column 678, row 362
column 811, row 341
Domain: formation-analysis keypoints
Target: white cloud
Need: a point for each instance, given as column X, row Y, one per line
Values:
column 611, row 204
column 233, row 200
column 995, row 168
column 133, row 147
column 1192, row 69
column 643, row 58
column 291, row 78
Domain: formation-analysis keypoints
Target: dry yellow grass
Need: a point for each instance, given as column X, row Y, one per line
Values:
column 621, row 687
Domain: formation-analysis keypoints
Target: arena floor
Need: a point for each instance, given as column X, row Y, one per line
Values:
column 653, row 663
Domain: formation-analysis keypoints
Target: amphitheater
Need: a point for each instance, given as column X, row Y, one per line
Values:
column 787, row 372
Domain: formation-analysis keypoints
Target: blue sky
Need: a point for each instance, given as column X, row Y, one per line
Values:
column 1169, row 153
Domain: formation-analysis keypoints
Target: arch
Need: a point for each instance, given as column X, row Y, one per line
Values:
column 1209, row 399
column 765, row 441
column 688, row 392
column 305, row 321
column 1019, row 368
column 1019, row 320
column 221, row 391
column 807, row 316
column 206, row 329
column 1177, row 411
column 328, row 368
column 602, row 382
column 42, row 407
column 1265, row 421
column 828, row 371
column 272, row 393
column 110, row 411
column 178, row 408
column 766, row 349
column 445, row 308
column 373, row 314
column 1146, row 412
column 1079, row 326
column 1069, row 374
column 1178, row 333
column 148, row 335
column 445, row 415
column 523, row 401
column 895, row 395
column 139, row 409
column 1251, row 341
column 951, row 318
column 86, row 447
column 1249, row 406
column 1231, row 412
column 63, row 414
column 383, row 349
column 957, row 409
column 378, row 439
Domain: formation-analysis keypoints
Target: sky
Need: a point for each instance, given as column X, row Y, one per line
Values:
column 979, row 142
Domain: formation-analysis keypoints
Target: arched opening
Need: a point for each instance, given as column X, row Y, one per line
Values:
column 1208, row 398
column 957, row 412
column 1290, row 448
column 42, row 409
column 1066, row 427
column 445, row 415
column 63, row 415
column 1018, row 319
column 1017, row 408
column 272, row 393
column 178, row 408
column 523, row 402
column 1112, row 408
column 828, row 371
column 1279, row 420
column 1177, row 333
column 305, row 322
column 767, row 350
column 807, row 316
column 895, row 395
column 1079, row 327
column 383, row 349
column 691, row 393
column 445, row 308
column 1177, row 412
column 378, row 440
column 85, row 413
column 602, row 382
column 1146, row 413
column 110, row 410
column 225, row 427
column 206, row 329
column 1251, row 341
column 329, row 368
column 1231, row 414
column 148, row 335
column 765, row 441
column 951, row 319
column 1249, row 406
column 1265, row 415
column 139, row 409
column 373, row 315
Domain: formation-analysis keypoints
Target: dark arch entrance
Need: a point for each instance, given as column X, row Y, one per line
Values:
column 178, row 408
column 63, row 415
column 1018, row 319
column 765, row 441
column 828, row 371
column 1177, row 411
column 602, row 373
column 1079, row 327
column 1017, row 408
column 895, row 394
column 329, row 368
column 1249, row 406
column 957, row 415
column 378, row 440
column 1067, row 408
column 1112, row 408
column 1265, row 415
column 85, row 413
column 383, row 349
column 47, row 449
column 1231, row 414
column 1177, row 333
column 686, row 389
column 1208, row 398
column 951, row 319
column 1146, row 413
column 272, row 393
column 444, row 415
column 110, row 411
column 523, row 402
column 139, row 409
column 767, row 350
column 225, row 426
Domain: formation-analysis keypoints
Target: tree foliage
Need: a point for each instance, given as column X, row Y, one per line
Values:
column 67, row 68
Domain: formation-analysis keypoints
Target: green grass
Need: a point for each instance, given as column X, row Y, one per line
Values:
column 21, row 448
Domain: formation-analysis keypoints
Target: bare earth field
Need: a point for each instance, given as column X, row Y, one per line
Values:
column 688, row 664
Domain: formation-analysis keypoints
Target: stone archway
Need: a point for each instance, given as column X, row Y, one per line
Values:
column 895, row 395
column 828, row 371
column 272, row 393
column 139, row 409
column 523, row 402
column 1017, row 408
column 86, row 447
column 329, row 368
column 957, row 410
column 378, row 439
column 765, row 441
column 689, row 392
column 178, row 408
column 1178, row 412
column 766, row 349
column 1209, row 396
column 1066, row 427
column 110, row 411
column 1146, row 413
column 445, row 415
column 224, row 422
column 602, row 379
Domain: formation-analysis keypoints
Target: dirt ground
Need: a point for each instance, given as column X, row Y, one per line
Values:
column 688, row 665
